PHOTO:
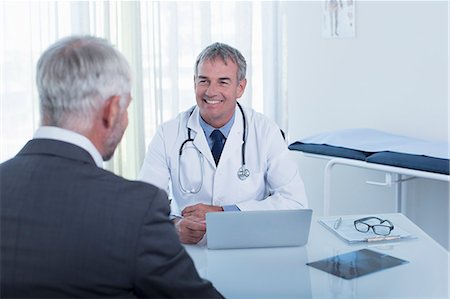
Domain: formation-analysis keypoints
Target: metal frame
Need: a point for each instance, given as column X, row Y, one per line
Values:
column 399, row 172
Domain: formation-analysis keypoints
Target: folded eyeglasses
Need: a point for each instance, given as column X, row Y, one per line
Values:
column 382, row 227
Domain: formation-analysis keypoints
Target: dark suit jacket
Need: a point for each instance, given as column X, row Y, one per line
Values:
column 71, row 229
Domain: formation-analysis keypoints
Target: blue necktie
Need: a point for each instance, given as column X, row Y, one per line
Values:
column 218, row 142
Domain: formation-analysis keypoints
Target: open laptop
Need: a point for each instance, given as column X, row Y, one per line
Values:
column 252, row 229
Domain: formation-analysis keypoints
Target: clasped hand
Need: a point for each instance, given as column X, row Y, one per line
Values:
column 192, row 227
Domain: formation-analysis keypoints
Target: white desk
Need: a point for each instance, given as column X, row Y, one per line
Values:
column 282, row 273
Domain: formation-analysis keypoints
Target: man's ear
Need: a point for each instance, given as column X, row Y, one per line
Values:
column 111, row 111
column 241, row 87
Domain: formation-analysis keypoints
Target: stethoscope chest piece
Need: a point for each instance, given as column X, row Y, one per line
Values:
column 243, row 173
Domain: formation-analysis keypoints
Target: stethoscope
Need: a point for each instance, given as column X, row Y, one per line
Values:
column 243, row 173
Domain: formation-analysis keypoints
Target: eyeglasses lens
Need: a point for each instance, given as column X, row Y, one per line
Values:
column 384, row 228
column 362, row 227
column 381, row 229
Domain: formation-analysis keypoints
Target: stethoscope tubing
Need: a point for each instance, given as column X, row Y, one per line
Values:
column 243, row 172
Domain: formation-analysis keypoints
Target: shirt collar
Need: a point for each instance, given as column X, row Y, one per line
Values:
column 56, row 133
column 207, row 128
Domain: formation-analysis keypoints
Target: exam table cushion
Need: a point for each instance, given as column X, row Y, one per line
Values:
column 417, row 162
column 378, row 147
column 329, row 150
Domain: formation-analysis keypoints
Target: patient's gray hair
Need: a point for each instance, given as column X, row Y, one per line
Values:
column 225, row 52
column 75, row 76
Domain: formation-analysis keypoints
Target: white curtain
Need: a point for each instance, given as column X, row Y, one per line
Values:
column 161, row 40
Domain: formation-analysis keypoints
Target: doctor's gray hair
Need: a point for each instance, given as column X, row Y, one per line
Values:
column 75, row 76
column 225, row 52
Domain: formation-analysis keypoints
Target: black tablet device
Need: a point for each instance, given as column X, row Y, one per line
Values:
column 357, row 263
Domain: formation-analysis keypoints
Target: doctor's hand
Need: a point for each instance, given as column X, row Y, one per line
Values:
column 190, row 229
column 199, row 210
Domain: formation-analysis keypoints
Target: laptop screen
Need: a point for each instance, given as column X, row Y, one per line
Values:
column 252, row 229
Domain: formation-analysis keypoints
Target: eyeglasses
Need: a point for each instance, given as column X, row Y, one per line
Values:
column 384, row 227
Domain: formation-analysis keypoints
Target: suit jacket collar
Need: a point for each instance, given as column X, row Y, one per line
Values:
column 61, row 134
column 58, row 148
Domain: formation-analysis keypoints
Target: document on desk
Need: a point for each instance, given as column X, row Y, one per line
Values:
column 344, row 228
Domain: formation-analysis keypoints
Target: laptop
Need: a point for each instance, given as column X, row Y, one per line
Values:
column 253, row 229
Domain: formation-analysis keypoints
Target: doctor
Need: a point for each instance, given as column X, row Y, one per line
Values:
column 219, row 156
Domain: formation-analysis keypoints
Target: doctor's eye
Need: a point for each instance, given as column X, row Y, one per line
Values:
column 202, row 82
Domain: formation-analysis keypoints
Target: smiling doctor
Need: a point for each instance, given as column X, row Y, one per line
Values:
column 219, row 156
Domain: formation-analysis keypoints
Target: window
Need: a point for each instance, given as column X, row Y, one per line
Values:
column 161, row 40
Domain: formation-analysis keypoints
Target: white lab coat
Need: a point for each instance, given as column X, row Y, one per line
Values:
column 274, row 182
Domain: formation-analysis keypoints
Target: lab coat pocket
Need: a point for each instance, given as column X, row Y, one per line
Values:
column 252, row 187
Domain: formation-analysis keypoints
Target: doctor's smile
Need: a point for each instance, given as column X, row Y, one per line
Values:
column 212, row 102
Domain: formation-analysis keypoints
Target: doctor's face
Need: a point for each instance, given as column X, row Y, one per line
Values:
column 216, row 90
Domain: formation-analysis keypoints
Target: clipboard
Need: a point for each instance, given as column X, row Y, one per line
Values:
column 344, row 228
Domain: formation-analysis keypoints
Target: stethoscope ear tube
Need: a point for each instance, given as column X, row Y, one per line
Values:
column 192, row 190
column 184, row 142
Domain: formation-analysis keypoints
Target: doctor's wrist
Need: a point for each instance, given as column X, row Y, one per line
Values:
column 230, row 208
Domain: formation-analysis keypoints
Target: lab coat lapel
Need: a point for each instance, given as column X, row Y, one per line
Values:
column 198, row 135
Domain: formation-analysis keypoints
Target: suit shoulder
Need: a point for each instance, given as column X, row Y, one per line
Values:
column 132, row 187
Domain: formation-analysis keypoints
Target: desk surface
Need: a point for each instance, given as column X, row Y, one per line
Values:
column 282, row 272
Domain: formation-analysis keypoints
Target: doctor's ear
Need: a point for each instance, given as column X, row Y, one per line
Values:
column 241, row 87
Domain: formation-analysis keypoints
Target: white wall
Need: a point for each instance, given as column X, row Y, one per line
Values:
column 393, row 76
